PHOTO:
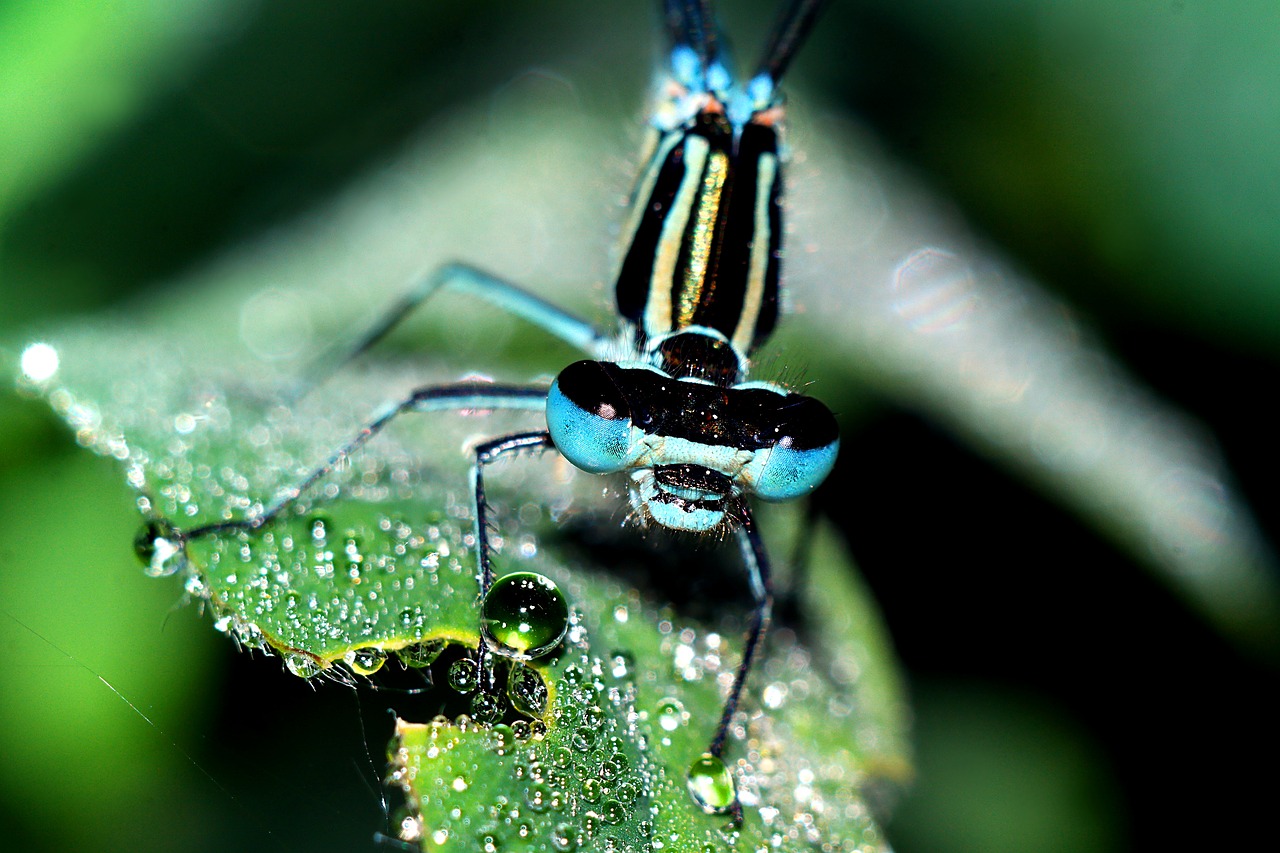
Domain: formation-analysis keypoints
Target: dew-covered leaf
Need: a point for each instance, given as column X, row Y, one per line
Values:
column 377, row 563
column 634, row 695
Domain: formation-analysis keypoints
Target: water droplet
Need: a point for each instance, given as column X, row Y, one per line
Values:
column 249, row 636
column 422, row 654
column 365, row 661
column 621, row 664
column 527, row 691
column 487, row 836
column 614, row 767
column 564, row 837
column 524, row 615
column 485, row 708
column 774, row 695
column 464, row 675
column 411, row 828
column 538, row 796
column 159, row 547
column 613, row 812
column 501, row 739
column 562, row 756
column 302, row 665
column 521, row 730
column 583, row 739
column 626, row 793
column 711, row 784
column 592, row 790
column 670, row 714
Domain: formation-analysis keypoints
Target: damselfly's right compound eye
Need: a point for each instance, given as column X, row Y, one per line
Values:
column 589, row 418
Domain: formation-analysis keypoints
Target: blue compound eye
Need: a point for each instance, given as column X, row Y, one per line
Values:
column 589, row 417
column 803, row 452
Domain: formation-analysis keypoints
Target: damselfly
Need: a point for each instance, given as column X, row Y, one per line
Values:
column 666, row 401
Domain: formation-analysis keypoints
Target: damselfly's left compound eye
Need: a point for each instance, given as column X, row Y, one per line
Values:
column 805, row 442
column 589, row 417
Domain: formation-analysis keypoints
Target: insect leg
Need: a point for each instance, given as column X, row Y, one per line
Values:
column 757, row 562
column 486, row 453
column 463, row 278
column 459, row 396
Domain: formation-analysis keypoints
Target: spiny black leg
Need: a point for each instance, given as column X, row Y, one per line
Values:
column 457, row 397
column 757, row 561
column 486, row 453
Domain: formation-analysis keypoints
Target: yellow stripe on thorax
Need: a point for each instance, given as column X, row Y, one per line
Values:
column 704, row 231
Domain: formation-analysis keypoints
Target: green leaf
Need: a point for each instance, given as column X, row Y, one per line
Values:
column 635, row 694
column 379, row 560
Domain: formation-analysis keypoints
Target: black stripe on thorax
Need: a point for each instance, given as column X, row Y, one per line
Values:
column 706, row 232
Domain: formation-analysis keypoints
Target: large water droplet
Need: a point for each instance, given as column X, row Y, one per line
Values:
column 250, row 636
column 524, row 615
column 626, row 793
column 621, row 664
column 711, row 784
column 487, row 838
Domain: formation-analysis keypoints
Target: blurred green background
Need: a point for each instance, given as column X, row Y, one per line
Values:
column 1123, row 152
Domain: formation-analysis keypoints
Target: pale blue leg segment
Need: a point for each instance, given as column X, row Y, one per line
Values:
column 463, row 278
